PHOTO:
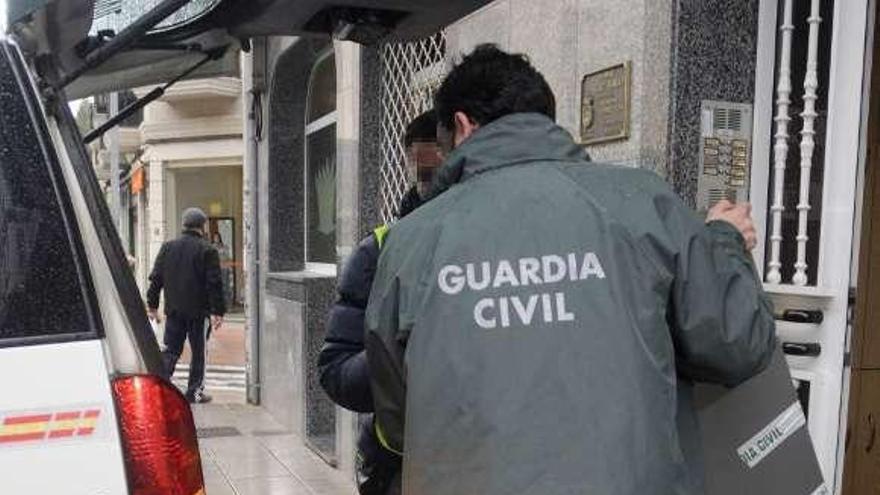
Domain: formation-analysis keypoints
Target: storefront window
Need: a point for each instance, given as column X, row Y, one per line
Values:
column 320, row 170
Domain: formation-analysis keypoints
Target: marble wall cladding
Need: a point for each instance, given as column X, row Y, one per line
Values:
column 296, row 301
column 287, row 104
column 653, row 123
column 286, row 289
column 577, row 37
column 715, row 47
column 370, row 154
column 491, row 24
column 296, row 306
column 348, row 94
column 638, row 31
column 281, row 370
column 320, row 410
column 553, row 52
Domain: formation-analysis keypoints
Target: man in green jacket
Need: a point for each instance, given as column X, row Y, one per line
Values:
column 529, row 329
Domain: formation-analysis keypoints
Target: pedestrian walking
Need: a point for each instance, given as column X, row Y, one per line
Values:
column 187, row 269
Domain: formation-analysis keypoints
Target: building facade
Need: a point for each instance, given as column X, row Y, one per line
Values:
column 193, row 153
column 182, row 150
column 759, row 100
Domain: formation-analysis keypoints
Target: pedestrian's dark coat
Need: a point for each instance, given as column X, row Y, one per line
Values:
column 528, row 328
column 188, row 269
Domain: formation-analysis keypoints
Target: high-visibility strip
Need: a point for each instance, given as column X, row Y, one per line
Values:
column 384, row 440
column 381, row 232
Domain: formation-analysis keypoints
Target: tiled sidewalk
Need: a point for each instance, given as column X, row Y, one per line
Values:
column 226, row 346
column 246, row 452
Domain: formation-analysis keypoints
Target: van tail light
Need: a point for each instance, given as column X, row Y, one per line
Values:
column 158, row 437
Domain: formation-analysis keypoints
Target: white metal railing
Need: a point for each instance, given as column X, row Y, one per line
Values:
column 808, row 144
column 782, row 119
column 411, row 72
column 780, row 148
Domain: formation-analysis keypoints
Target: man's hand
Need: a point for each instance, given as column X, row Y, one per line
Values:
column 216, row 322
column 153, row 313
column 740, row 216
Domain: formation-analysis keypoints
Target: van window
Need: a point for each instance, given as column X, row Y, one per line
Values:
column 41, row 294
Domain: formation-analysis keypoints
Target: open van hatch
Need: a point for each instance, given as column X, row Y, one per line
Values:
column 68, row 32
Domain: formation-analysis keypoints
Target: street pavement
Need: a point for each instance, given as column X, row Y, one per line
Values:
column 246, row 452
column 225, row 371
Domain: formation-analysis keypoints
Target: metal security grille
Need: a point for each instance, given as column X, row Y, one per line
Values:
column 411, row 72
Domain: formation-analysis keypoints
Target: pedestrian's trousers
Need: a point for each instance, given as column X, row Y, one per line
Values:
column 177, row 330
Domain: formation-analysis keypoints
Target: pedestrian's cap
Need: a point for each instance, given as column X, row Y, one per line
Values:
column 193, row 218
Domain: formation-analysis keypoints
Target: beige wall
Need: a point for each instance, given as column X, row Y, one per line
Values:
column 195, row 110
column 192, row 142
column 203, row 187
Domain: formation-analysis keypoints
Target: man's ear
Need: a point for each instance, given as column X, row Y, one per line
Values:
column 464, row 127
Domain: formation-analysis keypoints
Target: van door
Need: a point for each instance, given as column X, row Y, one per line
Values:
column 68, row 30
column 58, row 429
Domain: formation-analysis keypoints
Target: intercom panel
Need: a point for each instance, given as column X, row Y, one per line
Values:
column 725, row 152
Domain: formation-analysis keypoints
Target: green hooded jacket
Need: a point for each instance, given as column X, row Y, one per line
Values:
column 529, row 328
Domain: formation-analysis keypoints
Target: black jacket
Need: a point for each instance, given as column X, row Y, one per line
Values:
column 342, row 365
column 188, row 269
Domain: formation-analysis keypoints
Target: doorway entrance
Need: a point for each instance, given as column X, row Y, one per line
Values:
column 808, row 116
column 217, row 190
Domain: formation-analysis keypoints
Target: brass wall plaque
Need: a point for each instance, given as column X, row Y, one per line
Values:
column 605, row 102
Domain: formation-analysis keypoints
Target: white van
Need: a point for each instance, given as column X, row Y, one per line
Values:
column 82, row 408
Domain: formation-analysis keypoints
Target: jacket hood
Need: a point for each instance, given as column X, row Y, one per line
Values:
column 510, row 140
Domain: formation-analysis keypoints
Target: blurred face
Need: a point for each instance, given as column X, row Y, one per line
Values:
column 445, row 140
column 423, row 159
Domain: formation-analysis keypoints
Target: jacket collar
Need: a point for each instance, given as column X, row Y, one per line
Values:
column 510, row 140
column 193, row 233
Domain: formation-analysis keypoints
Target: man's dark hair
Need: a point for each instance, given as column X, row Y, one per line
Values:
column 489, row 84
column 422, row 129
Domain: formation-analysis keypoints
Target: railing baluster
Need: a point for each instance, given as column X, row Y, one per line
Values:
column 780, row 148
column 808, row 143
